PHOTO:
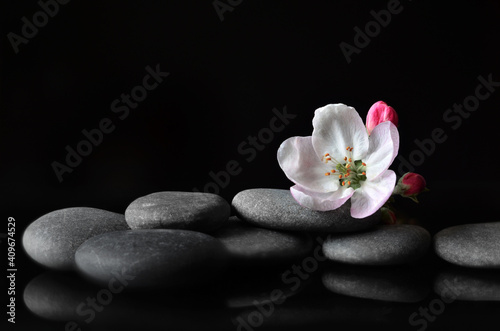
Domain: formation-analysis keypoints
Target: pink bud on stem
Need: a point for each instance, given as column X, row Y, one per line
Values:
column 410, row 185
column 380, row 112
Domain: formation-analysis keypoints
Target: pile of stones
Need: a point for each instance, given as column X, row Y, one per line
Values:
column 177, row 239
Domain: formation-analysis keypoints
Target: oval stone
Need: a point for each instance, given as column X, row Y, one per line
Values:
column 470, row 245
column 249, row 245
column 384, row 245
column 151, row 258
column 53, row 239
column 277, row 209
column 195, row 211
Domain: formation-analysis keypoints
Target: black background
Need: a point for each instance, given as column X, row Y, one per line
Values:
column 225, row 79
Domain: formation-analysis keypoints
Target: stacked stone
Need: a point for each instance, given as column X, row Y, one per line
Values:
column 172, row 239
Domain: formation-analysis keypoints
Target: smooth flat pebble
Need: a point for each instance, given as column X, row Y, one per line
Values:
column 277, row 209
column 152, row 258
column 470, row 245
column 195, row 211
column 384, row 245
column 249, row 245
column 53, row 239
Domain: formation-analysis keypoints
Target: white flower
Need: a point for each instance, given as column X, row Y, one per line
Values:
column 340, row 161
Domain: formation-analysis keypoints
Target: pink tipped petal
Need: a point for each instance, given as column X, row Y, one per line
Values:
column 321, row 201
column 384, row 145
column 372, row 195
column 380, row 112
column 297, row 158
column 336, row 127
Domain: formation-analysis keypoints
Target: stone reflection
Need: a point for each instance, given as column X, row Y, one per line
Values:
column 394, row 284
column 55, row 295
column 243, row 300
column 68, row 298
column 315, row 311
column 460, row 283
column 249, row 288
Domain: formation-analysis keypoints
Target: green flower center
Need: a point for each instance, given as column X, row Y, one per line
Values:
column 349, row 173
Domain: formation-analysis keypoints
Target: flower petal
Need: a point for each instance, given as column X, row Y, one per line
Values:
column 384, row 145
column 372, row 195
column 336, row 127
column 321, row 201
column 297, row 158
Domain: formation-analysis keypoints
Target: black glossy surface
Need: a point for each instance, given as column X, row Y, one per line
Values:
column 205, row 117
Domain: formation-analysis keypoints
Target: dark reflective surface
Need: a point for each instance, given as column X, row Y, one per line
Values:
column 428, row 295
column 394, row 284
column 468, row 284
column 335, row 295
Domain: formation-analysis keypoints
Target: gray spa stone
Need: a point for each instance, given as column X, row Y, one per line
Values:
column 152, row 258
column 178, row 210
column 249, row 245
column 277, row 209
column 384, row 245
column 470, row 245
column 52, row 239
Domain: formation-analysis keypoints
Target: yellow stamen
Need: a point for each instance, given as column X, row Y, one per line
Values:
column 343, row 183
column 327, row 174
column 345, row 158
column 333, row 171
column 340, row 176
column 363, row 173
column 364, row 164
column 349, row 183
column 347, row 148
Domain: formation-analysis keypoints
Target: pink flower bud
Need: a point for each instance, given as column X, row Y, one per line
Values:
column 415, row 183
column 380, row 112
column 410, row 185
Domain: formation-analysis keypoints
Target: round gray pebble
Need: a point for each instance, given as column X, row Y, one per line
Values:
column 470, row 245
column 277, row 209
column 53, row 239
column 151, row 258
column 384, row 245
column 195, row 211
